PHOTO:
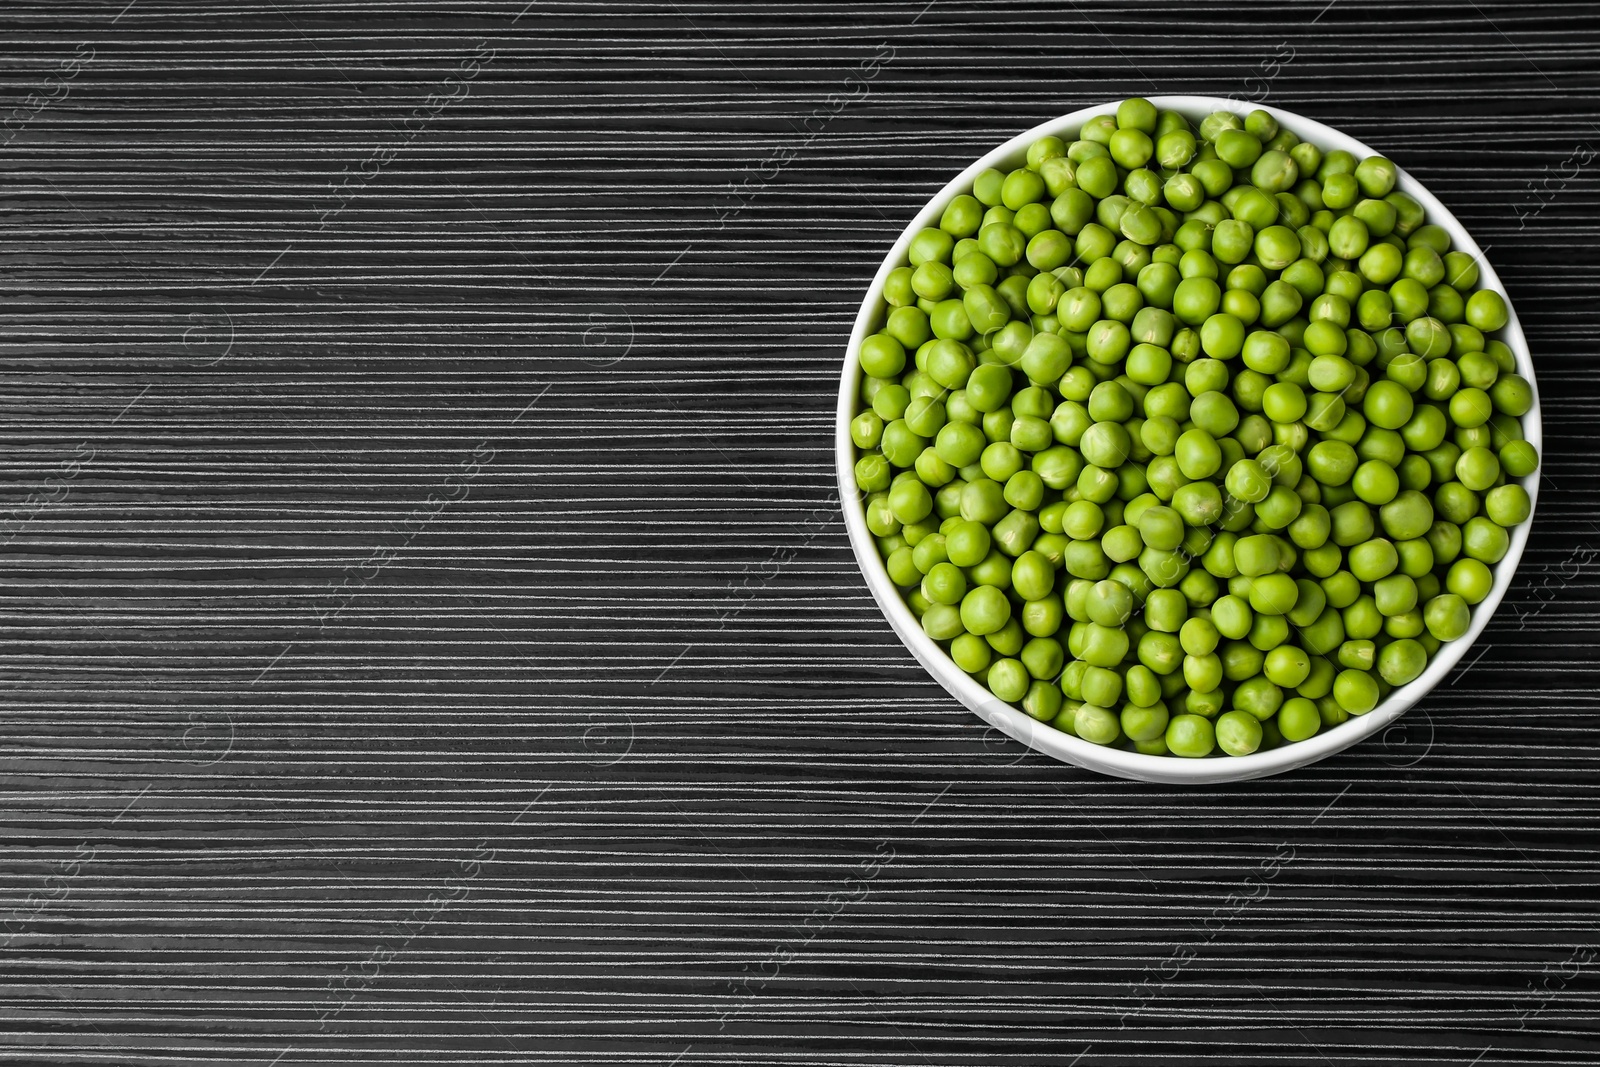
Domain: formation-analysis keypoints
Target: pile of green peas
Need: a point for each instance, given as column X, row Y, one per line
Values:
column 1190, row 439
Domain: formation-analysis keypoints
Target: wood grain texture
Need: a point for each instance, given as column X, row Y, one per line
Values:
column 429, row 633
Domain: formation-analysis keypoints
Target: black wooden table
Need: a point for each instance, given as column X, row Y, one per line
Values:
column 429, row 633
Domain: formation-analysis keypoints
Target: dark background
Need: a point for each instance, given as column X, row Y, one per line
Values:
column 429, row 635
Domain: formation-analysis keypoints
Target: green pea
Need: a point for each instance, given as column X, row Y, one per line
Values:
column 1416, row 559
column 1298, row 719
column 1507, row 505
column 1280, row 302
column 1447, row 616
column 1374, row 559
column 1015, row 533
column 1238, row 733
column 1046, row 358
column 1325, row 632
column 1198, row 454
column 1381, row 264
column 1214, row 413
column 1402, row 661
column 1376, row 176
column 1175, row 149
column 1031, row 434
column 947, row 501
column 1358, row 655
column 1313, row 244
column 1021, row 187
column 1002, row 242
column 942, row 622
column 872, row 473
column 1190, row 736
column 1351, row 523
column 1144, row 723
column 866, row 430
column 931, row 246
column 1477, row 469
column 1375, row 482
column 986, row 186
column 1395, row 595
column 1101, row 687
column 1198, row 636
column 1043, row 617
column 1121, row 543
column 1331, row 462
column 1161, row 528
column 1208, row 703
column 1387, row 404
column 968, row 543
column 984, row 610
column 1311, row 528
column 1080, row 519
column 1199, row 503
column 961, row 218
column 1032, row 576
column 1257, row 695
column 1044, row 658
column 1455, row 503
column 1196, row 299
column 1042, row 700
column 1109, row 604
column 882, row 356
column 1408, row 516
column 1486, row 310
column 1143, row 687
column 1356, row 691
column 993, row 570
column 1222, row 336
column 1163, row 655
column 1287, row 666
column 1512, row 394
column 1469, row 579
column 1232, row 616
column 1104, row 646
column 1449, row 307
column 1281, row 507
column 1247, row 481
column 1273, row 594
column 1485, row 540
column 1008, row 679
column 1104, row 269
column 1519, row 459
column 945, row 583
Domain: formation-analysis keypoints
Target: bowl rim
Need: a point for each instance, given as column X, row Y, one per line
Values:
column 1042, row 737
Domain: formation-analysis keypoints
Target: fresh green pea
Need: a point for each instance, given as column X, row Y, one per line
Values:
column 1447, row 616
column 1374, row 559
column 1485, row 540
column 1109, row 604
column 1519, row 459
column 1238, row 733
column 1190, row 736
column 1486, row 310
column 1402, row 661
column 1381, row 264
column 1507, row 505
column 1356, row 691
column 984, row 610
column 1144, row 723
column 1512, row 394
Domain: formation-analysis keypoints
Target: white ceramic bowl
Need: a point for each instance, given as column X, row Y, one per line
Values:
column 1045, row 738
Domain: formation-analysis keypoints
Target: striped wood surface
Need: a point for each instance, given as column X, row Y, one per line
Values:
column 429, row 634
